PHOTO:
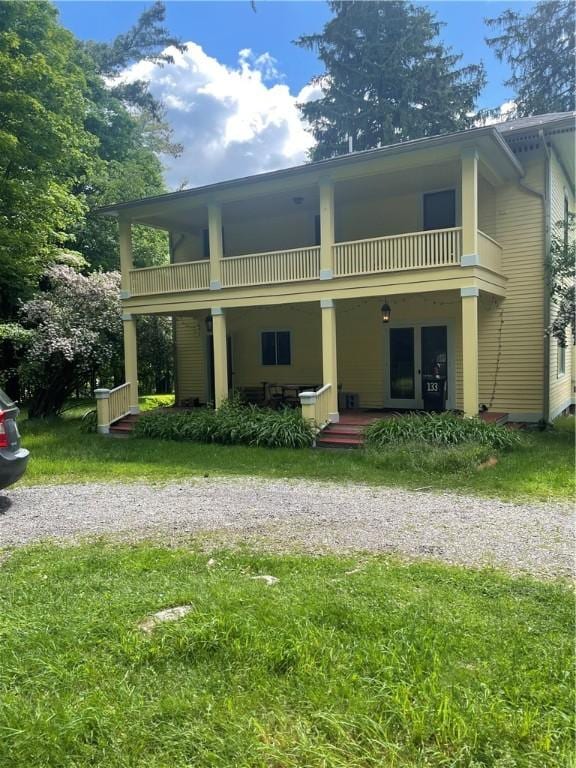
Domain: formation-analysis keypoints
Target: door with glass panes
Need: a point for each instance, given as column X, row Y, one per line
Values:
column 413, row 351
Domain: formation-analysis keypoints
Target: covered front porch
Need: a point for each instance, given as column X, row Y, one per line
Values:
column 326, row 356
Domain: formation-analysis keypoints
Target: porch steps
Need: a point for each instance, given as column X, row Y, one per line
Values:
column 124, row 426
column 348, row 433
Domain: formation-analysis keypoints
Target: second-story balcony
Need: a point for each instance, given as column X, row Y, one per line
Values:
column 415, row 223
column 410, row 251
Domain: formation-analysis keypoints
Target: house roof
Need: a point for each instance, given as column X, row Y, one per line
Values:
column 493, row 133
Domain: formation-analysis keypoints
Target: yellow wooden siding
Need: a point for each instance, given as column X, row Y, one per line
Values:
column 486, row 207
column 511, row 330
column 245, row 327
column 360, row 342
column 561, row 387
column 191, row 367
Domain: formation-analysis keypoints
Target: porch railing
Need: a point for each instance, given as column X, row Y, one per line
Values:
column 316, row 405
column 111, row 405
column 189, row 276
column 271, row 267
column 415, row 250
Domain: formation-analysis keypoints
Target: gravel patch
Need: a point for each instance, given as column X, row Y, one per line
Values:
column 302, row 515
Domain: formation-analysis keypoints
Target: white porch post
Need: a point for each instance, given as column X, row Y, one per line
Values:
column 327, row 229
column 330, row 356
column 220, row 356
column 126, row 257
column 216, row 245
column 103, row 410
column 131, row 359
column 470, row 349
column 469, row 206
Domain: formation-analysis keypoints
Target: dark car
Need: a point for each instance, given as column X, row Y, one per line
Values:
column 13, row 458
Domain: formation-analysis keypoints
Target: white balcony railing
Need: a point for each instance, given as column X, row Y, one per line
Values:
column 111, row 405
column 272, row 267
column 416, row 250
column 395, row 253
column 189, row 276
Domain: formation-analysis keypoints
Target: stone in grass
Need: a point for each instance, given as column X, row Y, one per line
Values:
column 169, row 614
column 270, row 580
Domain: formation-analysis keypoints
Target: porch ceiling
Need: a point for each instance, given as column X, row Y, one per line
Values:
column 186, row 209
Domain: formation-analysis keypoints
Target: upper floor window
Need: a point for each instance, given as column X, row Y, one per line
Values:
column 560, row 361
column 276, row 348
column 439, row 209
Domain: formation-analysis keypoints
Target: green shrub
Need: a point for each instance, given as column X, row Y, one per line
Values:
column 232, row 424
column 442, row 429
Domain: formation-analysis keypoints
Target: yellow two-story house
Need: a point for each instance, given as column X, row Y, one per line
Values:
column 348, row 281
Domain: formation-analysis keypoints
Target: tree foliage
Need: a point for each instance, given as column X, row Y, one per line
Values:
column 388, row 78
column 540, row 48
column 563, row 279
column 45, row 148
column 75, row 330
column 73, row 138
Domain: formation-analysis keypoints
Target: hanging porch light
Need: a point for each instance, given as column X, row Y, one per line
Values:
column 386, row 311
column 209, row 324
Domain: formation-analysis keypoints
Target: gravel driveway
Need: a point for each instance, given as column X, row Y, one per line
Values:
column 286, row 514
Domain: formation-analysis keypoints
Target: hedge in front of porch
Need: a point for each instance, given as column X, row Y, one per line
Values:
column 234, row 423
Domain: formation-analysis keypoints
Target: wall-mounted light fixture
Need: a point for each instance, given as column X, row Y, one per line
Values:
column 386, row 311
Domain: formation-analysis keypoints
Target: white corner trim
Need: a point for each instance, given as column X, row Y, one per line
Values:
column 326, row 303
column 470, row 260
column 215, row 285
column 326, row 274
column 468, row 292
column 216, row 311
column 126, row 316
column 562, row 407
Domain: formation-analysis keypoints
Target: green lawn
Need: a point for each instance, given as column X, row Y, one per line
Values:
column 397, row 665
column 542, row 468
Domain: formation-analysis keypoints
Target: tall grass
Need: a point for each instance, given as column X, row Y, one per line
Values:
column 397, row 665
column 442, row 429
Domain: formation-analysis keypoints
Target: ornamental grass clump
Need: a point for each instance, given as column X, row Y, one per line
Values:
column 232, row 424
column 438, row 429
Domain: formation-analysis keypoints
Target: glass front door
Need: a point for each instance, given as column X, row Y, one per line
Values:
column 402, row 367
column 414, row 351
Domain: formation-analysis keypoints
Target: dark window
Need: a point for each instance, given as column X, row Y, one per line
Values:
column 276, row 348
column 439, row 209
column 317, row 229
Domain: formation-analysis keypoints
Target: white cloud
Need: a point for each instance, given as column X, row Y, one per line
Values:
column 231, row 121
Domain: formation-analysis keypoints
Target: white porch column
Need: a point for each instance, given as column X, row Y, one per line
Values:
column 469, row 206
column 326, row 229
column 330, row 356
column 470, row 349
column 220, row 356
column 216, row 245
column 126, row 257
column 131, row 359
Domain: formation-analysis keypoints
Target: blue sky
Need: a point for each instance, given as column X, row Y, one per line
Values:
column 222, row 29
